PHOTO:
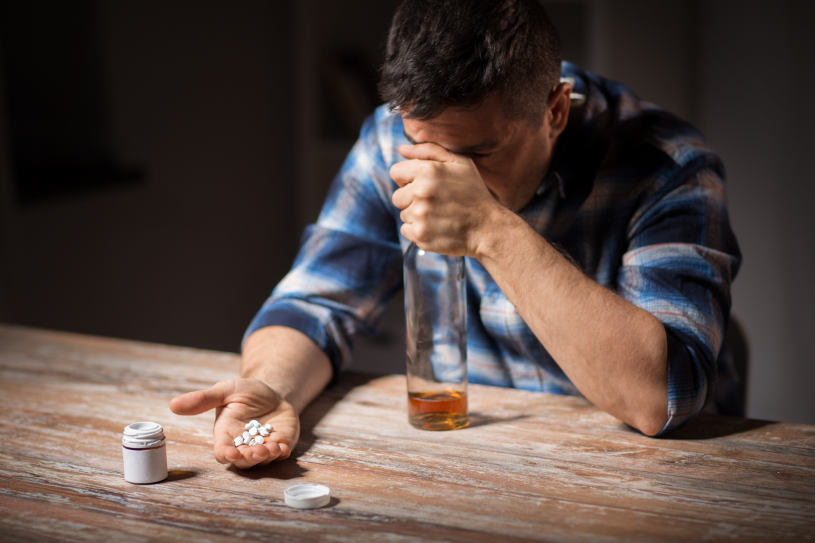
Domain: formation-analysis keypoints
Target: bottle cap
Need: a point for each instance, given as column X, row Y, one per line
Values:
column 143, row 435
column 307, row 496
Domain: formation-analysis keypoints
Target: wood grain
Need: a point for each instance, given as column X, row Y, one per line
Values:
column 531, row 466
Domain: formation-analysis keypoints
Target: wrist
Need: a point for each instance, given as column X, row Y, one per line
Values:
column 494, row 232
column 288, row 362
column 276, row 385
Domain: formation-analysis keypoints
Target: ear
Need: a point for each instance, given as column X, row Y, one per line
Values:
column 557, row 112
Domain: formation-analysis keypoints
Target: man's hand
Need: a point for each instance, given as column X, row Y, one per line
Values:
column 444, row 201
column 236, row 402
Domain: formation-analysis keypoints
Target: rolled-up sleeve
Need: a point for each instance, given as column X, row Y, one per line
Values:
column 681, row 260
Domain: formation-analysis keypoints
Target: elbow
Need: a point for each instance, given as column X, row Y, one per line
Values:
column 652, row 410
column 650, row 417
column 652, row 425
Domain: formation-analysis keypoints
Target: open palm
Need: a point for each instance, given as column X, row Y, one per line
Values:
column 236, row 402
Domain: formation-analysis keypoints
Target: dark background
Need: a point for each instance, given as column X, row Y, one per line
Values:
column 159, row 160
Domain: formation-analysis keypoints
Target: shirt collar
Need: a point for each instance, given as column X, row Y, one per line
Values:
column 552, row 178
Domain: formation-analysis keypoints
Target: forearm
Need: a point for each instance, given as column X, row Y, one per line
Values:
column 614, row 352
column 288, row 362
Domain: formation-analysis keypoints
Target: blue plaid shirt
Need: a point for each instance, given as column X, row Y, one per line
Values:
column 634, row 197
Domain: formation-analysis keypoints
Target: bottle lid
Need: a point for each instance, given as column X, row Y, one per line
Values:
column 143, row 435
column 307, row 496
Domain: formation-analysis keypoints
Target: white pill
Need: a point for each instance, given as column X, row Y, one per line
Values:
column 268, row 427
column 246, row 435
column 248, row 440
column 253, row 431
column 263, row 431
column 251, row 423
column 258, row 440
column 238, row 440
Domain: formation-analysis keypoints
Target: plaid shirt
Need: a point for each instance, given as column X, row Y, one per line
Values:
column 634, row 197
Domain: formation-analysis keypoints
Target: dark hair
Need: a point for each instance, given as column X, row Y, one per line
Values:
column 455, row 53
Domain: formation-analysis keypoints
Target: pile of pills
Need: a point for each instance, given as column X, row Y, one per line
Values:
column 254, row 433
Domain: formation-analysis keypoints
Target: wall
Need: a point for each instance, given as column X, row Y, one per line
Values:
column 757, row 79
column 199, row 101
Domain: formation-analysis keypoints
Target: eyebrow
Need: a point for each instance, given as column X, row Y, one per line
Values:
column 470, row 149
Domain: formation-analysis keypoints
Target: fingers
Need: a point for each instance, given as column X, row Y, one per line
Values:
column 403, row 173
column 402, row 197
column 407, row 233
column 415, row 178
column 198, row 401
column 418, row 161
column 246, row 456
column 426, row 151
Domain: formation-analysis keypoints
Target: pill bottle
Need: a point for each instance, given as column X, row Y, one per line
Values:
column 436, row 339
column 144, row 453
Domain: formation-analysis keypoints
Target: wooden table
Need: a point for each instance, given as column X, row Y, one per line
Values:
column 531, row 466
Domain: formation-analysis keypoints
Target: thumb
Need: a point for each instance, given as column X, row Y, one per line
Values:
column 198, row 401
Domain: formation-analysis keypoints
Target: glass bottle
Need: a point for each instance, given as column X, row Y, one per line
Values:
column 436, row 340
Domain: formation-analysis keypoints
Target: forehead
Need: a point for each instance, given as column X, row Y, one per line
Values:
column 456, row 128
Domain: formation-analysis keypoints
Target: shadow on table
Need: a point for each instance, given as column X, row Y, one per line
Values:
column 282, row 469
column 709, row 426
column 480, row 419
column 180, row 474
column 314, row 413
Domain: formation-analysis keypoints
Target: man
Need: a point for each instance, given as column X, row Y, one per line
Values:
column 599, row 253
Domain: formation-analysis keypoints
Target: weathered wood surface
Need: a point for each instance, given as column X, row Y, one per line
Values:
column 531, row 466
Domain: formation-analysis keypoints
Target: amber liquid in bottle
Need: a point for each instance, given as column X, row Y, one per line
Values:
column 443, row 410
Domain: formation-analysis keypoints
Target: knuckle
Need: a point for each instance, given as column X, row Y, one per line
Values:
column 420, row 231
column 424, row 191
column 397, row 174
column 421, row 211
column 429, row 169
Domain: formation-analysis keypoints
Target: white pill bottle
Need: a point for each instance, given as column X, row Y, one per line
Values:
column 144, row 453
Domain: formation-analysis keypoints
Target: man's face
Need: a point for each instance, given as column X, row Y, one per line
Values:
column 512, row 156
